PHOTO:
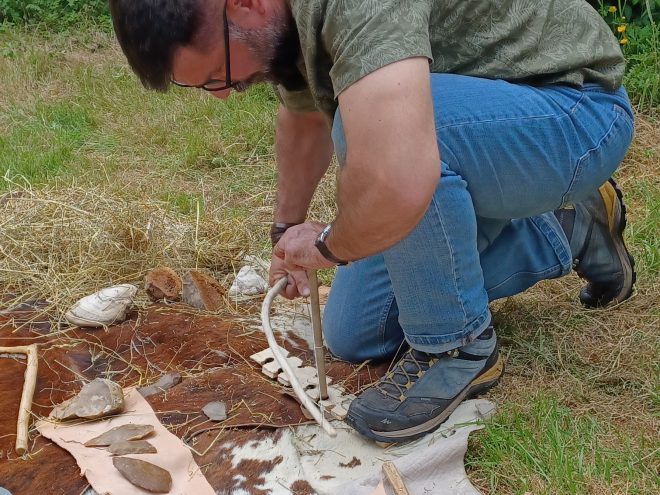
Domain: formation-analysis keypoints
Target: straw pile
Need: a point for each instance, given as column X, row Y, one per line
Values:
column 59, row 244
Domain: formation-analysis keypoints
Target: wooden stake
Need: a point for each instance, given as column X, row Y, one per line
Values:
column 29, row 384
column 393, row 476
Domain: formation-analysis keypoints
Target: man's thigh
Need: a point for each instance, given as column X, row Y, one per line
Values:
column 527, row 150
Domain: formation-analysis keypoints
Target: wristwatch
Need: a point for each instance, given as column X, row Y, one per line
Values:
column 277, row 230
column 321, row 246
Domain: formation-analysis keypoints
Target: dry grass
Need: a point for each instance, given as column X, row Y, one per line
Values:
column 63, row 241
column 60, row 243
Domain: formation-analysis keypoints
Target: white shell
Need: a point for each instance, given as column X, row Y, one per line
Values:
column 104, row 307
column 248, row 283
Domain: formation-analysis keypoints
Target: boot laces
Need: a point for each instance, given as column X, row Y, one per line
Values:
column 405, row 373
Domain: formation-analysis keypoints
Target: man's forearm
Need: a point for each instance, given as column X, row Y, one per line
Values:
column 303, row 147
column 375, row 214
column 392, row 161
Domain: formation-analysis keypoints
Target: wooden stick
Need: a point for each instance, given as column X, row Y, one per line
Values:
column 319, row 352
column 393, row 476
column 29, row 384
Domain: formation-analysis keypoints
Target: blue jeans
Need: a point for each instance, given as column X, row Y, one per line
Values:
column 510, row 155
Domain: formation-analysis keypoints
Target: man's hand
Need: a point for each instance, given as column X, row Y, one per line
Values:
column 295, row 253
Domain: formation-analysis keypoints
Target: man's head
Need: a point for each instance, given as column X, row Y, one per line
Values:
column 184, row 41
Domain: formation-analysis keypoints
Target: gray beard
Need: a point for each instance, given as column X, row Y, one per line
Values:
column 277, row 48
column 262, row 44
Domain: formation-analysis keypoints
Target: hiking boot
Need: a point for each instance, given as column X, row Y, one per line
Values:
column 595, row 228
column 421, row 390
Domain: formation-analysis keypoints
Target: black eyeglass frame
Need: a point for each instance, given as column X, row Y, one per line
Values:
column 227, row 83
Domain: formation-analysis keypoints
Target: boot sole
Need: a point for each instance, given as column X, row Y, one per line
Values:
column 478, row 386
column 616, row 229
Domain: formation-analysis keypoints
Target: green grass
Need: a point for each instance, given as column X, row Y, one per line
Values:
column 579, row 404
column 646, row 233
column 55, row 14
column 643, row 71
column 45, row 143
column 548, row 449
column 97, row 115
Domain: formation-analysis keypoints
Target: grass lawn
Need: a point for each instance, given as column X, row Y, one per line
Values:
column 120, row 180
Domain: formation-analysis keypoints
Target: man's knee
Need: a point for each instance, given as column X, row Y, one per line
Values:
column 348, row 342
column 339, row 342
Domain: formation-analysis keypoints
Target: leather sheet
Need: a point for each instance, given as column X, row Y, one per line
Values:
column 96, row 463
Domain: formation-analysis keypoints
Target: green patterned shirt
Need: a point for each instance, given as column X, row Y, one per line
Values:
column 527, row 41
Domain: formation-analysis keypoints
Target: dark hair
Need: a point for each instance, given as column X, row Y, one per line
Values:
column 149, row 31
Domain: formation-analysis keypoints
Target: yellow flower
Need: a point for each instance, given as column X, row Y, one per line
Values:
column 621, row 28
column 623, row 41
column 612, row 9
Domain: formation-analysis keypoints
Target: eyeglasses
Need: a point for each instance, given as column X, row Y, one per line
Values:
column 216, row 84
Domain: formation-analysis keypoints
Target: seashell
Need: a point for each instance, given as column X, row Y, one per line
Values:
column 102, row 308
column 248, row 282
column 162, row 283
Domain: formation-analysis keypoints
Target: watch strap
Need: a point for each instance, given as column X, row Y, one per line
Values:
column 277, row 230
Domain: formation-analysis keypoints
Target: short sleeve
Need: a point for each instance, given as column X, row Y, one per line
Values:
column 296, row 101
column 363, row 36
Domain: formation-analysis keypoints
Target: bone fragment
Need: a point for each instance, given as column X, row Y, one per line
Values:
column 273, row 369
column 267, row 355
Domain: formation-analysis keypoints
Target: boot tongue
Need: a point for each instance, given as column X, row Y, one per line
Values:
column 414, row 362
column 566, row 217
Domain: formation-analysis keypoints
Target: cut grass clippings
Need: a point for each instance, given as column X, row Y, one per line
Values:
column 103, row 180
